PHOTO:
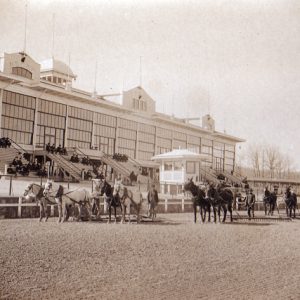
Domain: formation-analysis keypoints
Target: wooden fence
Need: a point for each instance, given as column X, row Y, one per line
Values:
column 13, row 207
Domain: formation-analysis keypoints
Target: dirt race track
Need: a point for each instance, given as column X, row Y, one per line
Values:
column 172, row 259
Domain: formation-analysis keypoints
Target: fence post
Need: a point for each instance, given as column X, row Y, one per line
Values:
column 20, row 207
column 10, row 185
column 182, row 204
column 166, row 204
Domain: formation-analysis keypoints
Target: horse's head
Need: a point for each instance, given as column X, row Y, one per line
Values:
column 189, row 185
column 28, row 189
column 47, row 188
column 117, row 187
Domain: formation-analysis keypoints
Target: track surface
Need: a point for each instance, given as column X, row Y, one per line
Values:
column 172, row 259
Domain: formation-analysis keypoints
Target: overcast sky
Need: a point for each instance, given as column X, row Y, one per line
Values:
column 238, row 60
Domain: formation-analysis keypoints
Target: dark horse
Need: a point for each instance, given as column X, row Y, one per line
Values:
column 221, row 198
column 290, row 199
column 198, row 199
column 110, row 199
column 271, row 202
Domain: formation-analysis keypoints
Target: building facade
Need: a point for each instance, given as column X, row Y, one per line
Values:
column 38, row 105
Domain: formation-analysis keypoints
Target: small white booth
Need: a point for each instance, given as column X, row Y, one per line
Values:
column 176, row 167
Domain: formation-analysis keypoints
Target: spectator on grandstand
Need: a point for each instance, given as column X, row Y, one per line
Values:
column 48, row 147
column 59, row 149
column 42, row 172
column 88, row 175
column 52, row 148
column 5, row 142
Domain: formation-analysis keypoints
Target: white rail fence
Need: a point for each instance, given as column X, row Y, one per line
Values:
column 165, row 205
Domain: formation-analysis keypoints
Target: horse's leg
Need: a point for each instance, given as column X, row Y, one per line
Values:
column 265, row 208
column 59, row 212
column 137, row 217
column 46, row 211
column 41, row 212
column 202, row 213
column 123, row 213
column 225, row 213
column 79, row 213
column 115, row 209
column 230, row 211
column 109, row 213
column 219, row 213
column 294, row 208
column 215, row 214
column 98, row 208
column 65, row 211
column 195, row 213
column 208, row 209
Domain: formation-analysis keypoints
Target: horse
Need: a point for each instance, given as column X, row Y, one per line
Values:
column 34, row 192
column 221, row 198
column 128, row 198
column 64, row 198
column 290, row 200
column 199, row 199
column 271, row 202
column 110, row 199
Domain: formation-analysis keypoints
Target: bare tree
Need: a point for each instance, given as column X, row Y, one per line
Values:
column 272, row 159
column 269, row 161
column 255, row 159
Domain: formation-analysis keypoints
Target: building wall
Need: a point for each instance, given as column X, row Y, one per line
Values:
column 34, row 119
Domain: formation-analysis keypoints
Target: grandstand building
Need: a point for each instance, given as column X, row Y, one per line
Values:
column 38, row 105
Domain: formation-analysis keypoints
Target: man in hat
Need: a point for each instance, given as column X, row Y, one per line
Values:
column 152, row 198
column 250, row 202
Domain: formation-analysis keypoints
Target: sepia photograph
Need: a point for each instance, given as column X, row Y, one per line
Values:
column 149, row 149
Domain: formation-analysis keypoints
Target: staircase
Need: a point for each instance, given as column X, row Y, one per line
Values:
column 209, row 175
column 233, row 178
column 120, row 167
column 66, row 165
column 7, row 155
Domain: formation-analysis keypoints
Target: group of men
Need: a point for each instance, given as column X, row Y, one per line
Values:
column 54, row 149
column 5, row 142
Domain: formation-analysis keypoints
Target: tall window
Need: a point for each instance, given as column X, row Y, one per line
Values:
column 18, row 117
column 80, row 128
column 51, row 123
column 105, row 133
column 22, row 72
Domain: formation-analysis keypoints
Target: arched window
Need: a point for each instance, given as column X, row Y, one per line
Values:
column 22, row 72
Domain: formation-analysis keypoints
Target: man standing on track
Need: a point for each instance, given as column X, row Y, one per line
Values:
column 250, row 202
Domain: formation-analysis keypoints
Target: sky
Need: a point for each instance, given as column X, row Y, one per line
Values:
column 237, row 60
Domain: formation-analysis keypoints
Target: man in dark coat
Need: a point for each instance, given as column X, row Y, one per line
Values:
column 152, row 198
column 250, row 202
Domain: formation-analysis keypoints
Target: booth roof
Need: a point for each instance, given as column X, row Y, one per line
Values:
column 178, row 154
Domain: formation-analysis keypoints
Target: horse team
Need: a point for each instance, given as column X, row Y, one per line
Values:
column 114, row 197
column 219, row 198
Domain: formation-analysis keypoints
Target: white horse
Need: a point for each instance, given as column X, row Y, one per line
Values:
column 128, row 198
column 65, row 197
column 34, row 192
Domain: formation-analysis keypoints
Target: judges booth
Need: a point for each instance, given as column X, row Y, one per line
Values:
column 176, row 167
